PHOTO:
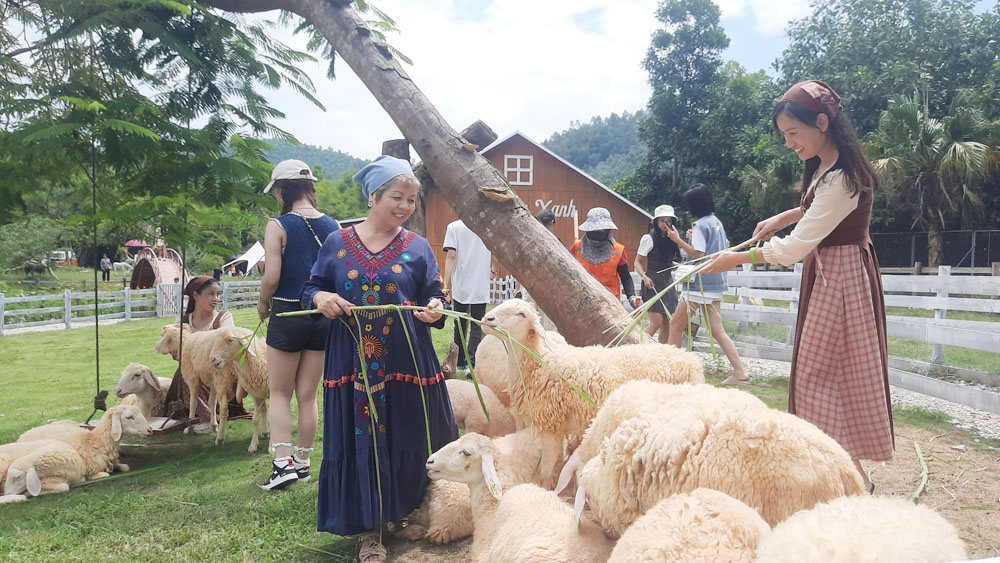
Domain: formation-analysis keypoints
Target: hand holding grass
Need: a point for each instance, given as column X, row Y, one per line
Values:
column 724, row 261
column 331, row 305
column 428, row 315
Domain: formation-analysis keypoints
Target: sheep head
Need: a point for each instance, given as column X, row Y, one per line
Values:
column 228, row 343
column 127, row 420
column 134, row 379
column 470, row 460
column 20, row 481
column 170, row 340
column 517, row 317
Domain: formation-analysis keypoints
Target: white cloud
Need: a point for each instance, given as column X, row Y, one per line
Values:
column 770, row 16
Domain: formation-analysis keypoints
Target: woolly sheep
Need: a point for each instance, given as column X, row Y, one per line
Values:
column 150, row 391
column 445, row 514
column 521, row 524
column 772, row 461
column 540, row 395
column 492, row 367
column 644, row 397
column 704, row 525
column 196, row 365
column 469, row 412
column 250, row 374
column 38, row 467
column 863, row 529
column 97, row 447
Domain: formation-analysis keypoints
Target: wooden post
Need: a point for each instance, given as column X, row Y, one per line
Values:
column 128, row 304
column 996, row 268
column 225, row 295
column 67, row 309
column 937, row 355
column 743, row 299
column 793, row 304
column 1, row 313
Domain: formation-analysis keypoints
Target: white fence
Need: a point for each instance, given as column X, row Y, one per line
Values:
column 64, row 308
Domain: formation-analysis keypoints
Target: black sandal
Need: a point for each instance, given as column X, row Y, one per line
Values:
column 871, row 488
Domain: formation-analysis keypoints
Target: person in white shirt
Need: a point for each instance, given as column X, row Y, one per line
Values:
column 656, row 256
column 467, row 272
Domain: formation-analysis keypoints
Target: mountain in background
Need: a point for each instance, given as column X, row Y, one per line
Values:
column 333, row 164
column 606, row 148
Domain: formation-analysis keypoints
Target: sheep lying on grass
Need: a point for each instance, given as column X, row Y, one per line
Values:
column 705, row 525
column 645, row 397
column 540, row 395
column 38, row 467
column 445, row 514
column 469, row 412
column 863, row 529
column 97, row 447
column 492, row 366
column 150, row 391
column 250, row 374
column 772, row 461
column 521, row 524
column 196, row 366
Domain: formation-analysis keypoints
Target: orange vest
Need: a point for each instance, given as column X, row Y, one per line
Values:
column 606, row 273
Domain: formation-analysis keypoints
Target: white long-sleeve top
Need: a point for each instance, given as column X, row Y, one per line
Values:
column 831, row 205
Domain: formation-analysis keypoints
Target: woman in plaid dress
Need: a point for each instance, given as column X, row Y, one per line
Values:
column 839, row 376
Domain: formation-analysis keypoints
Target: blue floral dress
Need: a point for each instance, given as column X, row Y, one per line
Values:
column 353, row 496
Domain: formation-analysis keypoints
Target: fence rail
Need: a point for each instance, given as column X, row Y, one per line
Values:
column 40, row 310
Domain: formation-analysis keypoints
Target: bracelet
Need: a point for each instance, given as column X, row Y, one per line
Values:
column 264, row 301
column 753, row 254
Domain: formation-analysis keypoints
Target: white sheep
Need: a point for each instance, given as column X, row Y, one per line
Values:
column 38, row 467
column 196, row 365
column 772, row 461
column 97, row 447
column 524, row 523
column 540, row 395
column 250, row 374
column 863, row 529
column 492, row 367
column 704, row 525
column 445, row 514
column 149, row 391
column 469, row 412
column 644, row 397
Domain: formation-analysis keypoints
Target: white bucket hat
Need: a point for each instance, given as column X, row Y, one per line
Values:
column 598, row 219
column 290, row 170
column 664, row 211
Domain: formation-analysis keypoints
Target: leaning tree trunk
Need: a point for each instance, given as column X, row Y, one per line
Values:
column 580, row 307
column 934, row 245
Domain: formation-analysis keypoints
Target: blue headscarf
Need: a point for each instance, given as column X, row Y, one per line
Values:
column 384, row 168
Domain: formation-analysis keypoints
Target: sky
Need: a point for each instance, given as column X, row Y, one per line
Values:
column 533, row 66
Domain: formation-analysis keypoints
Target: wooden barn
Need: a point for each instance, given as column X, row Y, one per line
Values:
column 544, row 180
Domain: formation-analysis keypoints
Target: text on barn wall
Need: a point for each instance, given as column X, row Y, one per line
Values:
column 566, row 210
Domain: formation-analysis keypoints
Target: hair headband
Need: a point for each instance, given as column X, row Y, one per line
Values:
column 814, row 95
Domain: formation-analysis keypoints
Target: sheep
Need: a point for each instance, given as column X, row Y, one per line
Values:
column 38, row 467
column 445, row 515
column 97, row 447
column 150, row 391
column 704, row 525
column 524, row 523
column 863, row 529
column 540, row 395
column 772, row 461
column 250, row 375
column 492, row 366
column 469, row 412
column 642, row 397
column 196, row 366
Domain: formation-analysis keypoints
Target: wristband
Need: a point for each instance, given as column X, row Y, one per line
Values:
column 753, row 254
column 264, row 301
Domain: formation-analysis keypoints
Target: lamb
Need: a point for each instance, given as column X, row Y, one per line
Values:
column 469, row 412
column 97, row 447
column 540, row 395
column 150, row 391
column 772, row 461
column 38, row 467
column 644, row 397
column 196, row 366
column 250, row 375
column 863, row 529
column 445, row 514
column 705, row 525
column 492, row 366
column 521, row 524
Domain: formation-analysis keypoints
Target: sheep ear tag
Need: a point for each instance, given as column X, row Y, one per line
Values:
column 33, row 482
column 116, row 427
column 491, row 477
column 581, row 501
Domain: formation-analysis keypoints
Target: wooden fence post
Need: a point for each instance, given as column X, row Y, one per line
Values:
column 225, row 296
column 1, row 313
column 793, row 303
column 67, row 309
column 128, row 304
column 937, row 355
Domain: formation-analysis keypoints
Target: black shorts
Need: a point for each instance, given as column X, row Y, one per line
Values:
column 295, row 334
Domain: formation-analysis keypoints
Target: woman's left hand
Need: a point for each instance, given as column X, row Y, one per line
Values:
column 723, row 262
column 428, row 315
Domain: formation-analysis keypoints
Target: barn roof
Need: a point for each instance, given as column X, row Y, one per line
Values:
column 625, row 200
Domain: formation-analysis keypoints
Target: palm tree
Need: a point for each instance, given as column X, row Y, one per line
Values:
column 933, row 164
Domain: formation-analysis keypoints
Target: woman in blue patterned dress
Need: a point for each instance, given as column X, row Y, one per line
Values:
column 377, row 262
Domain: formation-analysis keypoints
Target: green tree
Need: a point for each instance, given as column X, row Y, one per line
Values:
column 31, row 238
column 935, row 163
column 341, row 198
column 606, row 148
